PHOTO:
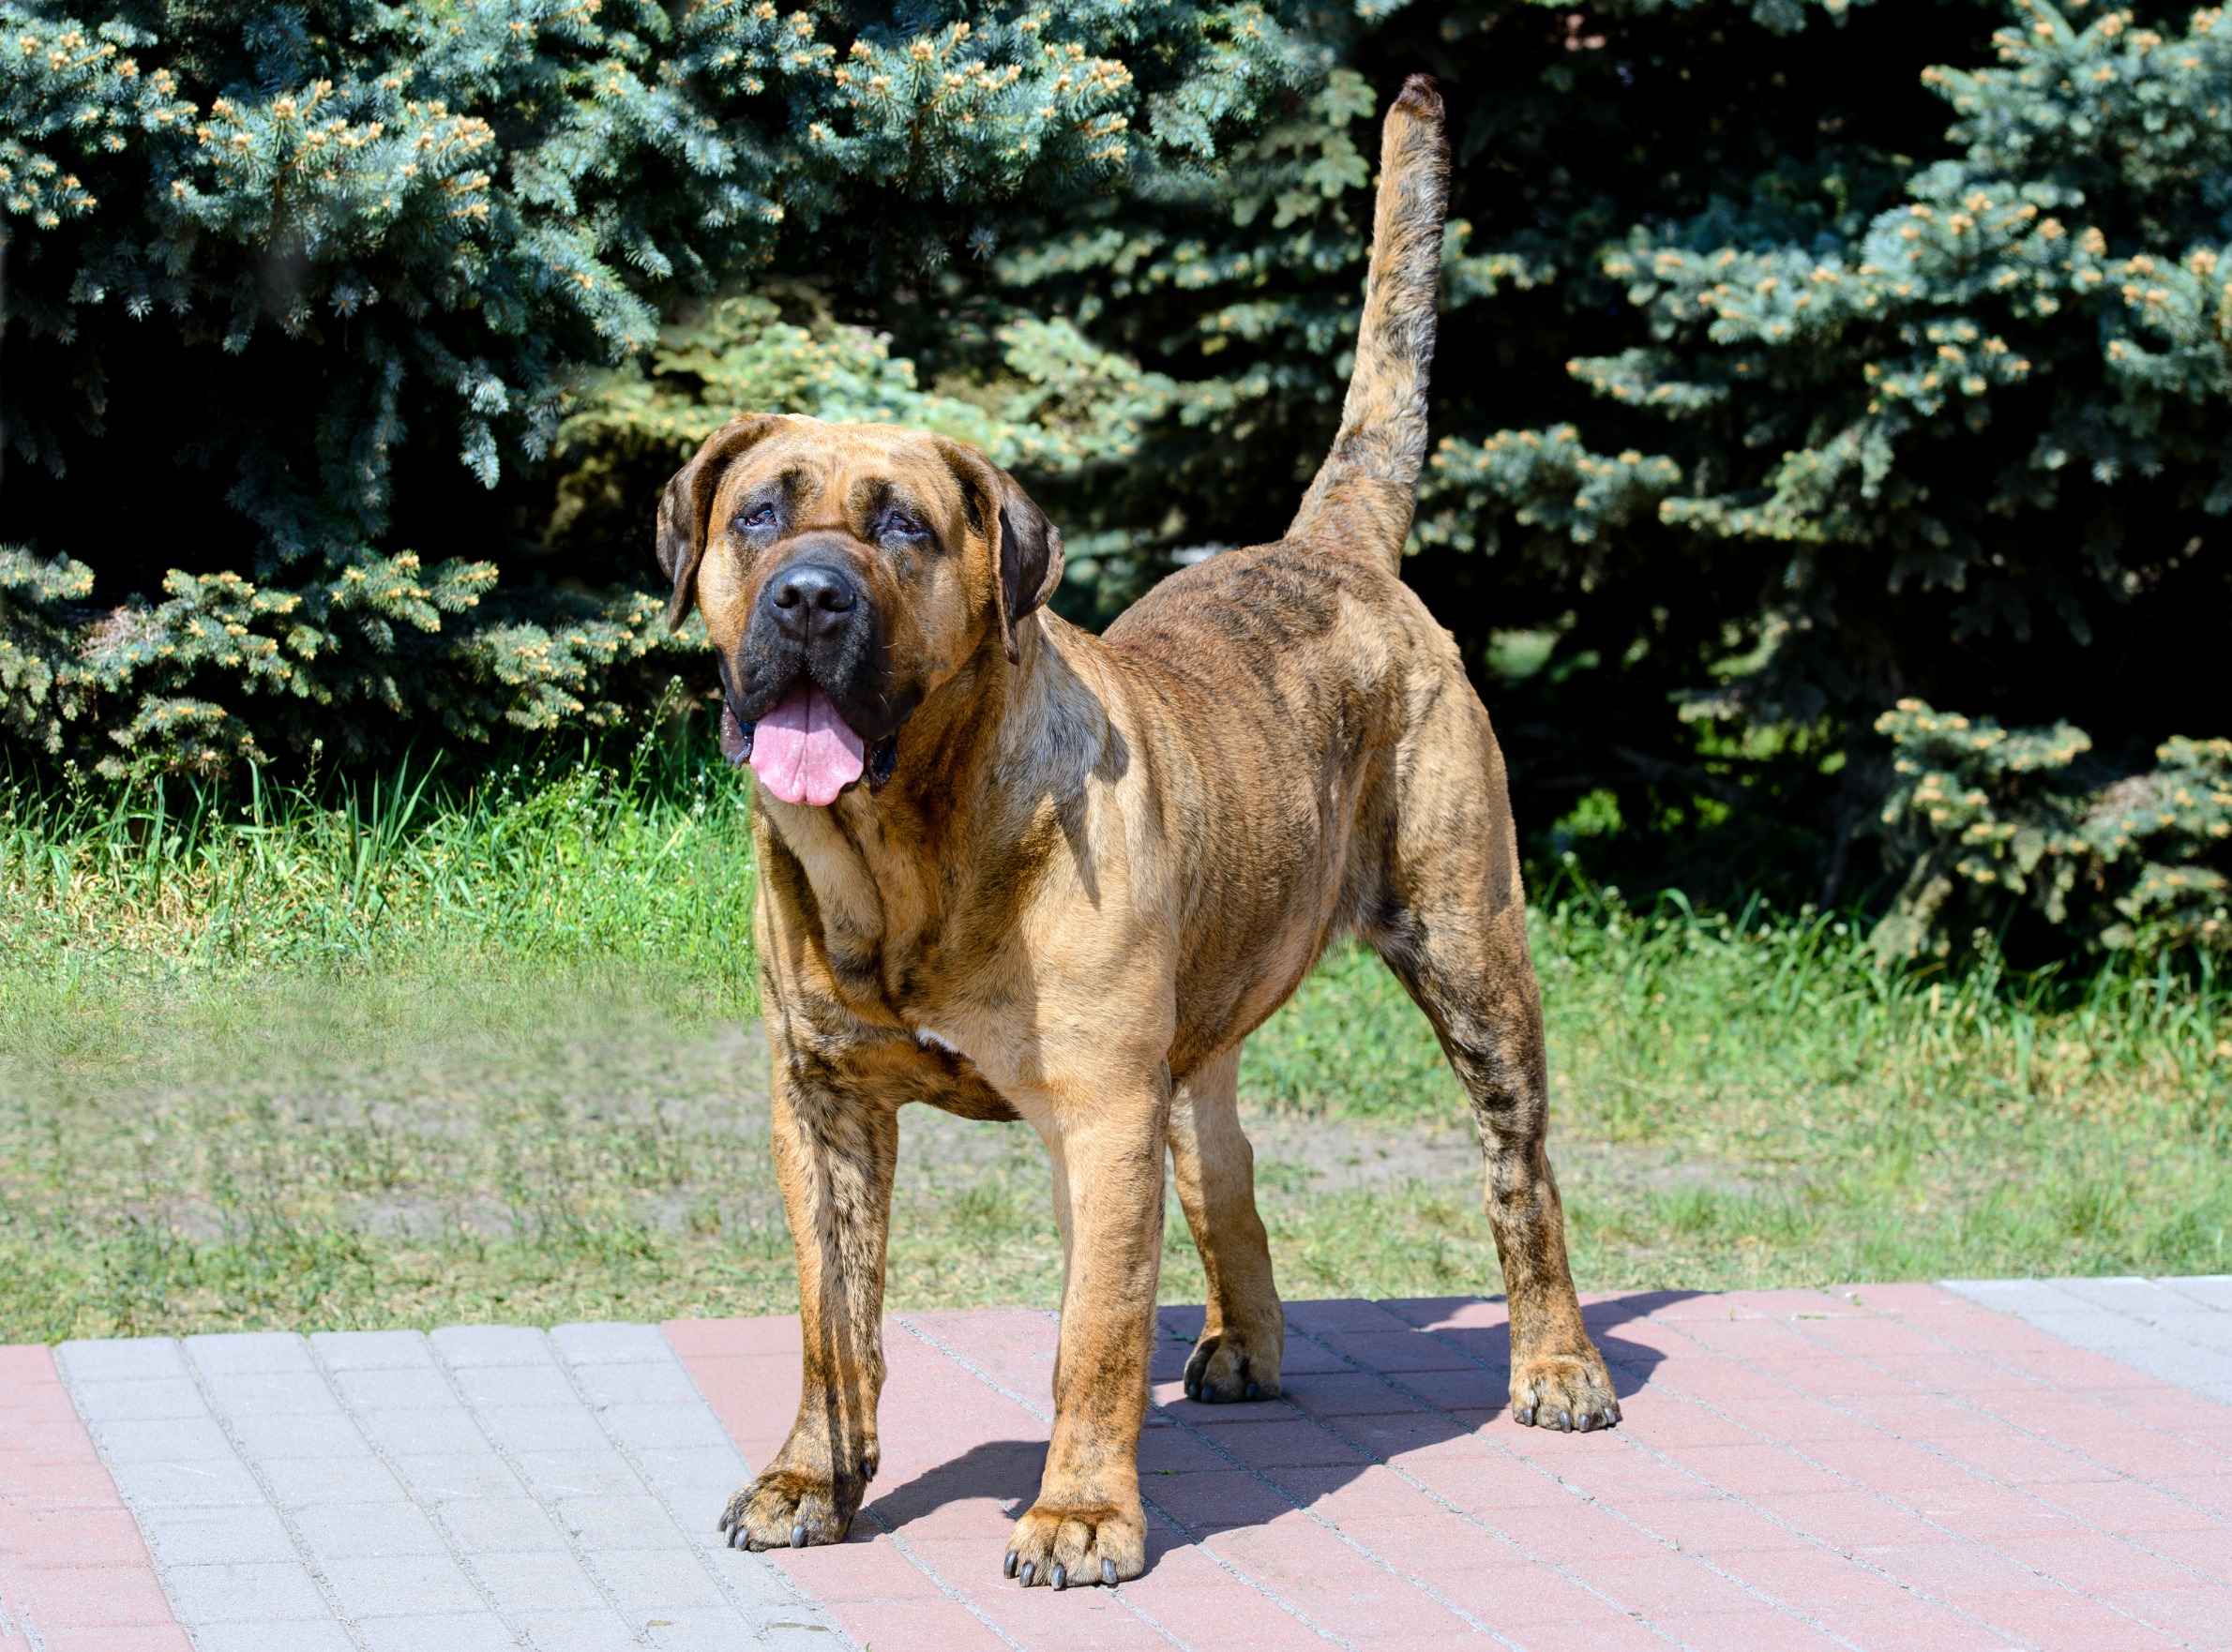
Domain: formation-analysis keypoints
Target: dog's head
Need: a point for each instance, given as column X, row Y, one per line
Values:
column 845, row 572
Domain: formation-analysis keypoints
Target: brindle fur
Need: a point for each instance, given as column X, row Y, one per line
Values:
column 1099, row 863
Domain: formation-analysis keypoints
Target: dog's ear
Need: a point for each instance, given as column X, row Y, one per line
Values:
column 1029, row 560
column 1026, row 546
column 688, row 503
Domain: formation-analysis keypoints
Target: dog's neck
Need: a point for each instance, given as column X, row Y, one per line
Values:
column 988, row 773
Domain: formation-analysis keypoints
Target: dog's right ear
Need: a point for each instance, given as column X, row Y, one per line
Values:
column 688, row 503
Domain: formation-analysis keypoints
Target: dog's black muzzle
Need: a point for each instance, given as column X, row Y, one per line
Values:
column 816, row 621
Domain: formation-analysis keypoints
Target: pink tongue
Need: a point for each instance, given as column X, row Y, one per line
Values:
column 803, row 751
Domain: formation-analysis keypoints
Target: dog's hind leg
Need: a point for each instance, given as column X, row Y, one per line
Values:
column 1243, row 1338
column 1449, row 918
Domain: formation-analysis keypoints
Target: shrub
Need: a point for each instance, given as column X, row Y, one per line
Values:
column 290, row 285
column 1987, row 819
column 1764, row 399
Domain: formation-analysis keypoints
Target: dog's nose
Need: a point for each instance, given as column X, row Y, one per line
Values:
column 809, row 597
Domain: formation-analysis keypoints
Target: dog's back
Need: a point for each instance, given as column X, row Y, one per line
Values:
column 1297, row 666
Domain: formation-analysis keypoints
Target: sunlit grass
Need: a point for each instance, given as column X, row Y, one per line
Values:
column 649, row 861
column 419, row 1055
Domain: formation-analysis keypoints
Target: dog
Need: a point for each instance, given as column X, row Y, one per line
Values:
column 1015, row 870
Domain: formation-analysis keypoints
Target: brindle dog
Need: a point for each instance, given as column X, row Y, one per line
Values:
column 1019, row 871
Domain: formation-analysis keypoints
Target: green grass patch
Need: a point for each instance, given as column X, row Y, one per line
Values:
column 422, row 1055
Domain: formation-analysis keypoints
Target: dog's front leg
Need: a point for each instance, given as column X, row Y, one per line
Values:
column 1087, row 1526
column 833, row 1156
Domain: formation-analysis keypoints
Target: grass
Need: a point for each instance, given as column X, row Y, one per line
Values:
column 421, row 1055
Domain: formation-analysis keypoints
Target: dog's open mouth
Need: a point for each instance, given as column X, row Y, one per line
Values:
column 803, row 751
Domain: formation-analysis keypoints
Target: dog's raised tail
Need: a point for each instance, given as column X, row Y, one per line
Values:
column 1365, row 492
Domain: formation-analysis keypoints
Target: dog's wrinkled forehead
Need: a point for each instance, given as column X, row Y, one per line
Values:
column 828, row 475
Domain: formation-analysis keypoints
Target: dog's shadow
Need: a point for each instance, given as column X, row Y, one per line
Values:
column 1362, row 1397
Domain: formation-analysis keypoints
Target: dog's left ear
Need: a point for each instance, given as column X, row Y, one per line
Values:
column 1026, row 546
column 688, row 503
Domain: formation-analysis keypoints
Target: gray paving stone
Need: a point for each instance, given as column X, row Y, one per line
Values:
column 306, row 1482
column 752, row 1580
column 684, row 1479
column 403, row 1586
column 294, row 1435
column 389, row 1387
column 613, row 1383
column 2207, row 1329
column 2120, row 1294
column 602, row 1631
column 652, row 1580
column 256, row 1592
column 802, row 1637
column 663, row 1428
column 482, row 1631
column 152, row 1399
column 544, row 1429
column 448, row 1477
column 513, row 1388
column 238, row 1534
column 544, row 1581
column 2014, row 1296
column 501, row 1525
column 692, row 1632
column 124, row 1359
column 443, row 1478
column 611, row 1523
column 387, row 1492
column 597, row 1344
column 371, row 1350
column 2176, row 1331
column 153, row 1486
column 241, row 1353
column 460, row 1346
column 271, row 1394
column 169, row 1439
column 378, row 1530
column 579, row 1474
column 297, row 1635
column 2211, row 1290
column 424, row 1433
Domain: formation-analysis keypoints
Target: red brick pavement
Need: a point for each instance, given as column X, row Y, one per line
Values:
column 1890, row 1466
column 74, row 1573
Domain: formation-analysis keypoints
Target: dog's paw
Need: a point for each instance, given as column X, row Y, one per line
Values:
column 1565, row 1391
column 1224, row 1368
column 1100, row 1544
column 782, row 1509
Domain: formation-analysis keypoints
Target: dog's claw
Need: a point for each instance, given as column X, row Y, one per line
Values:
column 1253, row 1390
column 1108, row 1573
column 1030, row 1570
column 1524, row 1417
column 1565, row 1422
column 1007, row 1567
column 1061, row 1577
column 798, row 1536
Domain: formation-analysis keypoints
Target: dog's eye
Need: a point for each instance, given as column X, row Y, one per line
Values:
column 760, row 515
column 905, row 526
